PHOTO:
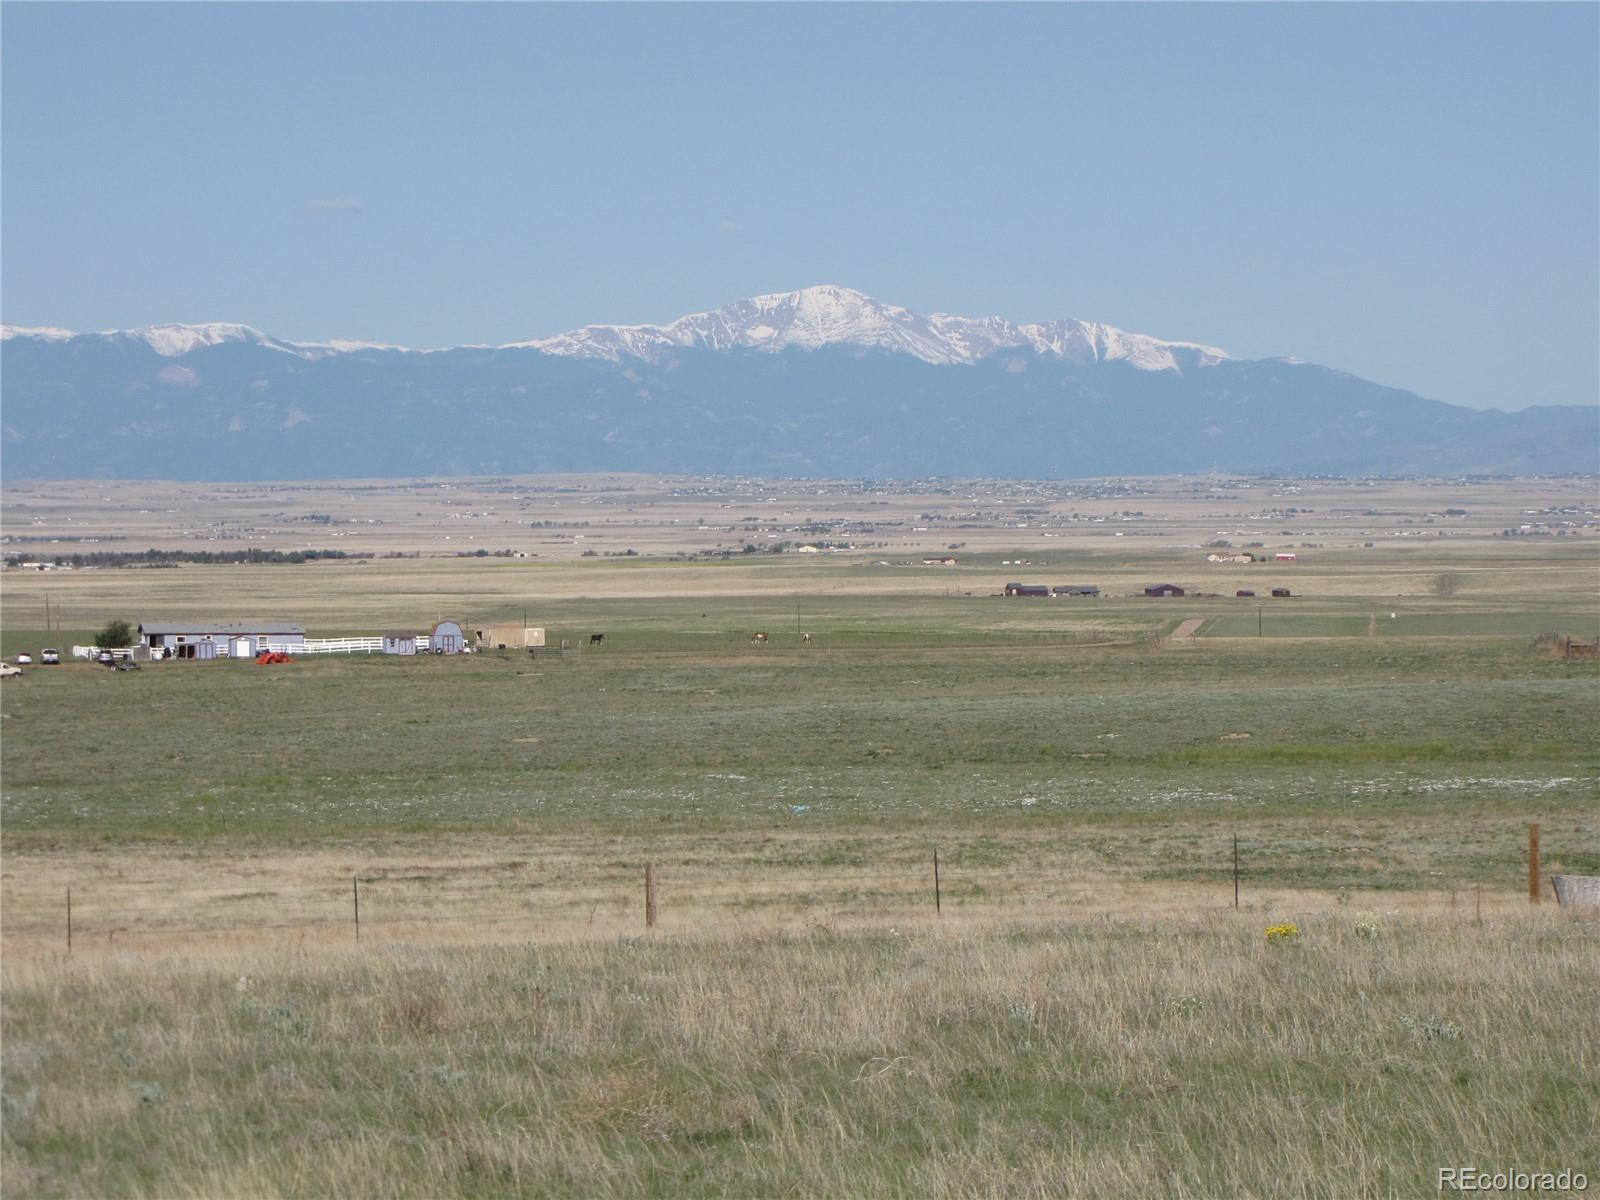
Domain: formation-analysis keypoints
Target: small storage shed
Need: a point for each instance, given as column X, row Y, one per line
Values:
column 1075, row 589
column 1027, row 589
column 1163, row 589
column 1243, row 593
column 447, row 638
column 399, row 643
column 1280, row 593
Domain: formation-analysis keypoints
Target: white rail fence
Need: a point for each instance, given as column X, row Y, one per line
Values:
column 352, row 645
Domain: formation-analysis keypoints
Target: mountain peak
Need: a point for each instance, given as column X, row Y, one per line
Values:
column 810, row 318
column 831, row 315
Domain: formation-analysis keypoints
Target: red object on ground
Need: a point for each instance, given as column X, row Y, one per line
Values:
column 269, row 657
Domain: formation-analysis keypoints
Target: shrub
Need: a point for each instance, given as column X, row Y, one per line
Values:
column 114, row 636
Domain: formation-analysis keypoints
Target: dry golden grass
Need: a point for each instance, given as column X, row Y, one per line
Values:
column 1185, row 1056
column 456, row 889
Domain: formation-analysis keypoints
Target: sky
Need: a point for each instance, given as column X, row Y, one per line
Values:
column 1410, row 193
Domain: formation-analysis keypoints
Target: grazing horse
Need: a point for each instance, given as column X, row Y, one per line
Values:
column 597, row 639
column 805, row 639
column 758, row 637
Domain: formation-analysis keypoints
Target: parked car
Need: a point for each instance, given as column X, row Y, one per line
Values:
column 24, row 659
column 7, row 670
column 50, row 657
column 106, row 657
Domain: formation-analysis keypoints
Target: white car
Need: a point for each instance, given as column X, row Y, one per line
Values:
column 49, row 657
column 7, row 670
column 24, row 659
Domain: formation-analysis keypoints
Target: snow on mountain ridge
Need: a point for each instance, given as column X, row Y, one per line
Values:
column 811, row 318
column 830, row 315
column 45, row 333
column 174, row 341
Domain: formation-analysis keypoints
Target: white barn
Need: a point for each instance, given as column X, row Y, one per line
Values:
column 210, row 639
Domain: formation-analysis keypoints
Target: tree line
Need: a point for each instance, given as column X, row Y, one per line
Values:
column 158, row 558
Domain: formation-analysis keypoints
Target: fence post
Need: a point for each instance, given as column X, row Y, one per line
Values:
column 69, row 920
column 1533, row 863
column 1236, row 870
column 938, row 905
column 355, row 895
column 1479, row 919
column 649, row 895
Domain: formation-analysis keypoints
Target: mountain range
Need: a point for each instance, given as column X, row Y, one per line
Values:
column 824, row 381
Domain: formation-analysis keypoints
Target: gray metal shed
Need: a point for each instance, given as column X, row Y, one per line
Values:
column 447, row 637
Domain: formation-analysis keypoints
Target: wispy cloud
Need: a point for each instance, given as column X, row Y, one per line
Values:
column 343, row 206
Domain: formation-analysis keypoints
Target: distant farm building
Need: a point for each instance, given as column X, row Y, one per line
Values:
column 946, row 561
column 1075, row 589
column 209, row 639
column 399, row 643
column 1281, row 593
column 447, row 638
column 1245, row 593
column 1284, row 558
column 509, row 637
column 1027, row 589
column 1163, row 589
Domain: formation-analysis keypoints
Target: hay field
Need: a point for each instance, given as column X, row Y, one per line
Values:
column 1085, row 1012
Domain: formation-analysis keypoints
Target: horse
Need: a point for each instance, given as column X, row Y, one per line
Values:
column 597, row 639
column 758, row 637
column 805, row 639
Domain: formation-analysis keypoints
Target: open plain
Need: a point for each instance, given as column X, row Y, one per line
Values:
column 1083, row 1003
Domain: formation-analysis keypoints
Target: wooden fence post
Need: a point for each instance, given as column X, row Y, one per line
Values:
column 1533, row 863
column 938, row 905
column 649, row 895
column 355, row 895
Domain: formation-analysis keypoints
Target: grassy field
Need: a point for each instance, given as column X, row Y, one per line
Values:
column 1085, row 1012
column 1186, row 1057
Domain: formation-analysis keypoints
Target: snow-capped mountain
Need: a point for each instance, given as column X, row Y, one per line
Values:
column 174, row 341
column 819, row 382
column 827, row 315
column 808, row 319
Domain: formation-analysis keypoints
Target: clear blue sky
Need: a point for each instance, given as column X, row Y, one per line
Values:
column 1407, row 192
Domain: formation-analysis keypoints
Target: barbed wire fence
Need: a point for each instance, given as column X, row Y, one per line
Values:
column 417, row 897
